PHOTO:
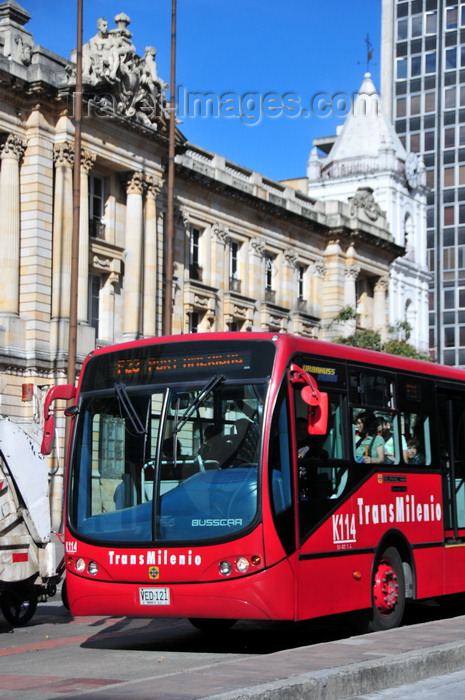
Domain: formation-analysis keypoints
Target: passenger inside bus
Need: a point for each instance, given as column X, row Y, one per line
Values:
column 212, row 440
column 369, row 445
column 414, row 455
column 385, row 430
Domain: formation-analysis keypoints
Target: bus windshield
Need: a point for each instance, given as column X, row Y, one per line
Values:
column 169, row 462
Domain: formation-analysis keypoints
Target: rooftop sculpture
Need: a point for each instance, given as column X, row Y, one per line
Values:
column 123, row 82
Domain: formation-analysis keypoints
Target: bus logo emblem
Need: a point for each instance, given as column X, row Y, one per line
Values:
column 154, row 572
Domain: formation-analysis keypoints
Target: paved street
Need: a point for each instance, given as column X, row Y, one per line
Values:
column 57, row 656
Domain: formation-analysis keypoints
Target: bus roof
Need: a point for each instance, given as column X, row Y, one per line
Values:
column 289, row 344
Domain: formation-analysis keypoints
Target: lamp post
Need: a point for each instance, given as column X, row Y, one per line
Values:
column 72, row 339
column 168, row 305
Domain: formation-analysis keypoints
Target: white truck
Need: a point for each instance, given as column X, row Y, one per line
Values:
column 28, row 567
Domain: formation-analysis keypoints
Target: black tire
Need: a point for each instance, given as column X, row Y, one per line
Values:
column 64, row 595
column 18, row 605
column 206, row 624
column 388, row 594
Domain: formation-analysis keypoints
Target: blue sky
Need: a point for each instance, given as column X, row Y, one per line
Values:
column 272, row 69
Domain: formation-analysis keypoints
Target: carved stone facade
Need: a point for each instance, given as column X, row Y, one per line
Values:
column 367, row 166
column 249, row 254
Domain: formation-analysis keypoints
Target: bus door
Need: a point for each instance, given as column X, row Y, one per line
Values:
column 452, row 460
column 323, row 483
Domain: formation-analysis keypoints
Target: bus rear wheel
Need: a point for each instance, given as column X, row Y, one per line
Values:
column 388, row 595
column 206, row 624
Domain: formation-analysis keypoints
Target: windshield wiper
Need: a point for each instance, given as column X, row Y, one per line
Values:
column 198, row 401
column 123, row 397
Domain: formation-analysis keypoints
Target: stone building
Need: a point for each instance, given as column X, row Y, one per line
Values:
column 249, row 253
column 366, row 162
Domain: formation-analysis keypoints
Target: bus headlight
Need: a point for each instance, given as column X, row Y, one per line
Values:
column 225, row 568
column 80, row 565
column 92, row 568
column 242, row 565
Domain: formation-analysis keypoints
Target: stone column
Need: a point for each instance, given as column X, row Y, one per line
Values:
column 333, row 293
column 379, row 307
column 219, row 277
column 133, row 272
column 87, row 162
column 11, row 153
column 317, row 276
column 288, row 289
column 256, row 278
column 150, row 267
column 350, row 297
column 62, row 230
column 351, row 274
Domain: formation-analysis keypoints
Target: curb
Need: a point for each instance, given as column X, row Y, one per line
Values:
column 358, row 679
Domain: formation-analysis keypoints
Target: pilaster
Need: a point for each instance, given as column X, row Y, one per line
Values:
column 132, row 321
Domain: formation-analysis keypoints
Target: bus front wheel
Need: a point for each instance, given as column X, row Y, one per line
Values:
column 388, row 595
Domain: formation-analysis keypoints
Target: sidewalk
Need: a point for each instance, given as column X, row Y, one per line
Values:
column 329, row 671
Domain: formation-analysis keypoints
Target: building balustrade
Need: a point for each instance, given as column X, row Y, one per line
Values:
column 270, row 296
column 234, row 285
column 195, row 272
column 96, row 229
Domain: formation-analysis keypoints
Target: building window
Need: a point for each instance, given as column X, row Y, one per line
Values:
column 96, row 206
column 451, row 18
column 401, row 107
column 300, row 281
column 449, row 177
column 417, row 25
column 449, row 336
column 449, row 98
column 194, row 321
column 430, row 102
column 449, row 137
column 448, row 216
column 415, row 104
column 449, row 258
column 195, row 271
column 451, row 58
column 430, row 62
column 234, row 281
column 415, row 65
column 401, row 69
column 95, row 285
column 269, row 270
column 415, row 143
column 402, row 29
column 449, row 299
column 431, row 24
column 429, row 140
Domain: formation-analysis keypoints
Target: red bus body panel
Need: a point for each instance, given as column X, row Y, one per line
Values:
column 330, row 573
column 191, row 574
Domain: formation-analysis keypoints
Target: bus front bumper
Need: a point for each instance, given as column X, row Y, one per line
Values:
column 265, row 595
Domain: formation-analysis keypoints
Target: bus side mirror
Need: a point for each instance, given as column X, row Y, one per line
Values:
column 317, row 410
column 62, row 391
column 316, row 400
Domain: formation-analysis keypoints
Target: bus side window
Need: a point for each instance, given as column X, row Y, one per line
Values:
column 334, row 443
column 416, row 432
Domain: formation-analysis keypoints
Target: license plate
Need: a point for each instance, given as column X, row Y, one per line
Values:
column 154, row 596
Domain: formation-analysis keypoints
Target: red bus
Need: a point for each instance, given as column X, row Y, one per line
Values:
column 192, row 492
